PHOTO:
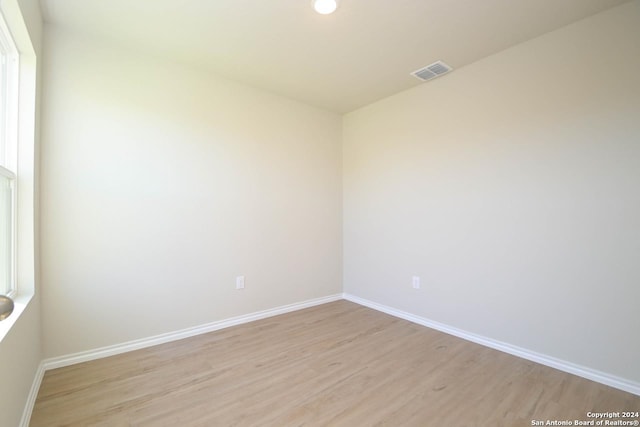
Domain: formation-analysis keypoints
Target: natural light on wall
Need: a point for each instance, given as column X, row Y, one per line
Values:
column 17, row 154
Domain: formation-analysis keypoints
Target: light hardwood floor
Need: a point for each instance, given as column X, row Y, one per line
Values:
column 338, row 364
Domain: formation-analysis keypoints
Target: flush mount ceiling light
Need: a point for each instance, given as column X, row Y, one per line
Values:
column 325, row 7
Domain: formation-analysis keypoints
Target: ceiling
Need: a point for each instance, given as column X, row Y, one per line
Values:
column 361, row 53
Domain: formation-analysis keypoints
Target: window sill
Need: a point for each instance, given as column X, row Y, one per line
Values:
column 20, row 304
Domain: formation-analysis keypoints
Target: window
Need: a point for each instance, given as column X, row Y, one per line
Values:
column 7, row 232
column 8, row 158
column 18, row 106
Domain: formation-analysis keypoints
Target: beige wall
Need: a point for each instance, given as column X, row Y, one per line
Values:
column 510, row 187
column 161, row 184
column 20, row 350
column 20, row 355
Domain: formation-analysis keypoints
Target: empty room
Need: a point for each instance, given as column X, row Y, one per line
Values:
column 319, row 213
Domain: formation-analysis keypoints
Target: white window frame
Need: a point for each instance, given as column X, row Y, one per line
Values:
column 10, row 289
column 20, row 156
column 9, row 91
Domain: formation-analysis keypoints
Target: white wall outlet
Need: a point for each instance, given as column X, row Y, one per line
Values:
column 240, row 282
column 415, row 282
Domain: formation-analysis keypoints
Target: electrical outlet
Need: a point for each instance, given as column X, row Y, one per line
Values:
column 415, row 282
column 240, row 282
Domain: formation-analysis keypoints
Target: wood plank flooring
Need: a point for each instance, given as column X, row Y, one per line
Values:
column 337, row 364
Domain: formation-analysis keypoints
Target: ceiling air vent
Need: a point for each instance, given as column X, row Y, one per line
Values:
column 432, row 71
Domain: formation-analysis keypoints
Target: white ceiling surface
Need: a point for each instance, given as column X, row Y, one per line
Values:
column 361, row 53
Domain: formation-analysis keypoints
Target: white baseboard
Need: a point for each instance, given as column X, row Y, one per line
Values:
column 99, row 353
column 562, row 365
column 33, row 394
